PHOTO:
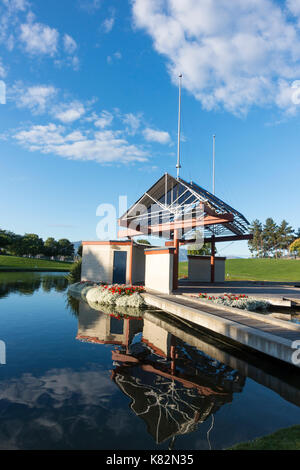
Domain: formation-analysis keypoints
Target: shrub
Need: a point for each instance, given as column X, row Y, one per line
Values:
column 75, row 272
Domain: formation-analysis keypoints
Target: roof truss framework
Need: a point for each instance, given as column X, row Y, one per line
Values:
column 172, row 204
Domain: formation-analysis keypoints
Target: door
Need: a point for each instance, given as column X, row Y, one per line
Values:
column 119, row 270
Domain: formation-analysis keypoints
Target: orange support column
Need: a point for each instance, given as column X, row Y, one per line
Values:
column 212, row 260
column 130, row 262
column 175, row 260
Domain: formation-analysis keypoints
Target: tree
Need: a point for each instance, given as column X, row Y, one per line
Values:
column 65, row 247
column 16, row 246
column 284, row 236
column 50, row 247
column 32, row 244
column 142, row 241
column 269, row 237
column 255, row 245
column 204, row 251
column 79, row 251
column 5, row 239
column 297, row 234
column 295, row 247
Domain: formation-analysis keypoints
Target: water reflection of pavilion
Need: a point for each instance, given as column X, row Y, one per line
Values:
column 173, row 387
column 99, row 327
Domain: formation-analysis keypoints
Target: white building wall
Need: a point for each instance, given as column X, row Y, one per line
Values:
column 98, row 260
column 199, row 269
column 159, row 272
column 157, row 336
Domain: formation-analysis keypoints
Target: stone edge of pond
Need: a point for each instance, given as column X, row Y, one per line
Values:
column 80, row 289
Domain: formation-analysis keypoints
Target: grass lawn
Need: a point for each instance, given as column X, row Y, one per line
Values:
column 284, row 439
column 16, row 263
column 257, row 269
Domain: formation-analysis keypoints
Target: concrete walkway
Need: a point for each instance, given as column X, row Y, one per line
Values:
column 267, row 335
column 276, row 292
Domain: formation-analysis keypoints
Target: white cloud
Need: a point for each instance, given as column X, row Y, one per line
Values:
column 232, row 54
column 108, row 24
column 18, row 27
column 69, row 112
column 89, row 6
column 133, row 122
column 2, row 69
column 294, row 7
column 102, row 146
column 104, row 120
column 16, row 5
column 116, row 55
column 152, row 135
column 9, row 19
column 39, row 38
column 2, row 92
column 70, row 45
column 36, row 98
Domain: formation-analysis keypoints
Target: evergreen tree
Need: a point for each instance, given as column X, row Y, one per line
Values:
column 297, row 234
column 255, row 245
column 284, row 237
column 79, row 251
column 269, row 236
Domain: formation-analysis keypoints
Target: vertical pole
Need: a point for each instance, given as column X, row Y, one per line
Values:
column 127, row 326
column 130, row 262
column 173, row 357
column 175, row 260
column 214, row 149
column 212, row 260
column 166, row 189
column 178, row 166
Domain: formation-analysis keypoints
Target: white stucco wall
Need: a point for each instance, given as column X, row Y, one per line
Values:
column 157, row 336
column 159, row 272
column 96, row 325
column 98, row 260
column 199, row 269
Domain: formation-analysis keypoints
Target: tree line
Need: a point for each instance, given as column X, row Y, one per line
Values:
column 31, row 244
column 270, row 239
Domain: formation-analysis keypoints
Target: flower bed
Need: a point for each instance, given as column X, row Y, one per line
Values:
column 241, row 301
column 116, row 295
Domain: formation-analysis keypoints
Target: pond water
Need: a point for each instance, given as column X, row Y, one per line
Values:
column 78, row 378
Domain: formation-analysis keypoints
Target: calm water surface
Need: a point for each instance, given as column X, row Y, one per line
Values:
column 78, row 378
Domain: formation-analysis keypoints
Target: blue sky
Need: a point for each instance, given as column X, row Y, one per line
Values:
column 91, row 106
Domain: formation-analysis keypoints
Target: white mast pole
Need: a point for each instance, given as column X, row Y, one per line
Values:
column 214, row 149
column 178, row 166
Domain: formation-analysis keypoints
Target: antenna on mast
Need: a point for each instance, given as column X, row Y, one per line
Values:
column 178, row 166
column 214, row 149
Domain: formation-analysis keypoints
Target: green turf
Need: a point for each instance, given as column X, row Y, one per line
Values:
column 284, row 439
column 16, row 263
column 257, row 269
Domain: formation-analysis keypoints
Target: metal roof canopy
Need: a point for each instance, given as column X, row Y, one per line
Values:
column 172, row 204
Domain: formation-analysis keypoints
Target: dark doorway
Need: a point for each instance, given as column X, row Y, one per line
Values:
column 116, row 326
column 119, row 272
